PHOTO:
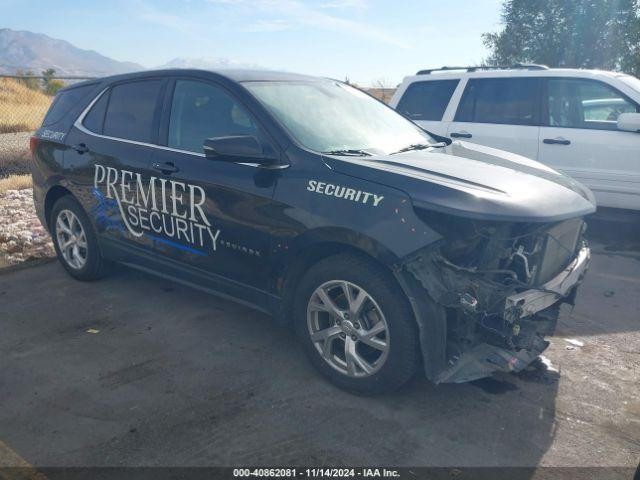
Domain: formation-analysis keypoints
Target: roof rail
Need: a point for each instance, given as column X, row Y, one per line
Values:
column 515, row 66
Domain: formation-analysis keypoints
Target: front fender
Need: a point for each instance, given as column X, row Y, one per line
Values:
column 311, row 239
column 314, row 205
column 432, row 323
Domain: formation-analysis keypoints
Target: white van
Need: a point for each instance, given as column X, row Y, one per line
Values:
column 585, row 123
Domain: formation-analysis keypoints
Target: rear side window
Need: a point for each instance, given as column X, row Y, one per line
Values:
column 65, row 101
column 580, row 103
column 511, row 101
column 200, row 110
column 95, row 118
column 427, row 100
column 132, row 109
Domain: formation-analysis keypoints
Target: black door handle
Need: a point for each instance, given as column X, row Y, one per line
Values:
column 80, row 148
column 556, row 141
column 166, row 168
column 461, row 135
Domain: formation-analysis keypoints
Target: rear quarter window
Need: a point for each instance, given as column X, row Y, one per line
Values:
column 95, row 117
column 64, row 101
column 427, row 100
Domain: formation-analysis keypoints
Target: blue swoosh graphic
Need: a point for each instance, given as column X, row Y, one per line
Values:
column 176, row 245
column 108, row 215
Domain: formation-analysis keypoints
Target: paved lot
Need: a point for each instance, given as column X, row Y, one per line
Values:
column 178, row 377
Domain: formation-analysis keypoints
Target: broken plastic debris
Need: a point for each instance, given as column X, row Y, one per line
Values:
column 93, row 330
column 574, row 342
column 547, row 363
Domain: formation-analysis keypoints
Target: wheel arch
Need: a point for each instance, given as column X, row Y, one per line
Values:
column 55, row 193
column 314, row 246
column 429, row 317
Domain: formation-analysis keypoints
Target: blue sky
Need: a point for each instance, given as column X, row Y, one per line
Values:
column 365, row 40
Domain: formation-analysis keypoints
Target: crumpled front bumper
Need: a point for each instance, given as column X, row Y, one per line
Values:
column 526, row 308
column 529, row 302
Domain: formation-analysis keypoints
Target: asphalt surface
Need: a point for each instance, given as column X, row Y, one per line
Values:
column 173, row 376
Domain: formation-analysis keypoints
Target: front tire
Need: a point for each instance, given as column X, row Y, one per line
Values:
column 356, row 325
column 75, row 240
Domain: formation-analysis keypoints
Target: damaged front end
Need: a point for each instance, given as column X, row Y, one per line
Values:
column 493, row 292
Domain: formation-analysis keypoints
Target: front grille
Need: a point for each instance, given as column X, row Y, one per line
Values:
column 559, row 249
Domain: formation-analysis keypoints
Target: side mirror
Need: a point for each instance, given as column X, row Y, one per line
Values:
column 629, row 122
column 236, row 148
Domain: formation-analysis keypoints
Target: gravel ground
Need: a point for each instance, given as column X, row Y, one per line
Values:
column 22, row 237
column 14, row 153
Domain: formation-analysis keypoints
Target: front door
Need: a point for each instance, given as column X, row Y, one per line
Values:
column 500, row 113
column 579, row 137
column 109, row 162
column 214, row 221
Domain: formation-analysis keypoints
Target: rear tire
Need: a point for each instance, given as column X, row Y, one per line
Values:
column 356, row 325
column 75, row 240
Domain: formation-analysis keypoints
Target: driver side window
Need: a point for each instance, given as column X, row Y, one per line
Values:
column 201, row 110
column 578, row 103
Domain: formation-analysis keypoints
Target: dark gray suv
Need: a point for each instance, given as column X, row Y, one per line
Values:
column 387, row 248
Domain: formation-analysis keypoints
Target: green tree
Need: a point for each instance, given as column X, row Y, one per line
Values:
column 51, row 85
column 601, row 34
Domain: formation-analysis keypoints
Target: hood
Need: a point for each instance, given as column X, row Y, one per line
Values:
column 474, row 181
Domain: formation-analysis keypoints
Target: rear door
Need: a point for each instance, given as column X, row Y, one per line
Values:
column 215, row 225
column 501, row 113
column 579, row 136
column 53, row 137
column 109, row 163
column 425, row 102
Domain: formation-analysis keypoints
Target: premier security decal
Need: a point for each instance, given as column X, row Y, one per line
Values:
column 158, row 206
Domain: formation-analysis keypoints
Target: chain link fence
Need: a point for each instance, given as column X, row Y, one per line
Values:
column 24, row 101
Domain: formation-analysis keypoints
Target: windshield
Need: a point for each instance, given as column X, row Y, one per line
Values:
column 329, row 116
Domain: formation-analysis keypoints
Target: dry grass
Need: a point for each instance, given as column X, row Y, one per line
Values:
column 21, row 109
column 383, row 94
column 15, row 182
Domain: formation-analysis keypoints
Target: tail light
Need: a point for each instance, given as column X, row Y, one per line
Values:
column 33, row 144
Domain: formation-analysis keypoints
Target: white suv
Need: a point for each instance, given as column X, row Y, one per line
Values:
column 585, row 123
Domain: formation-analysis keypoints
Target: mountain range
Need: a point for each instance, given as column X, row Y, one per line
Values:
column 208, row 63
column 22, row 50
column 35, row 52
